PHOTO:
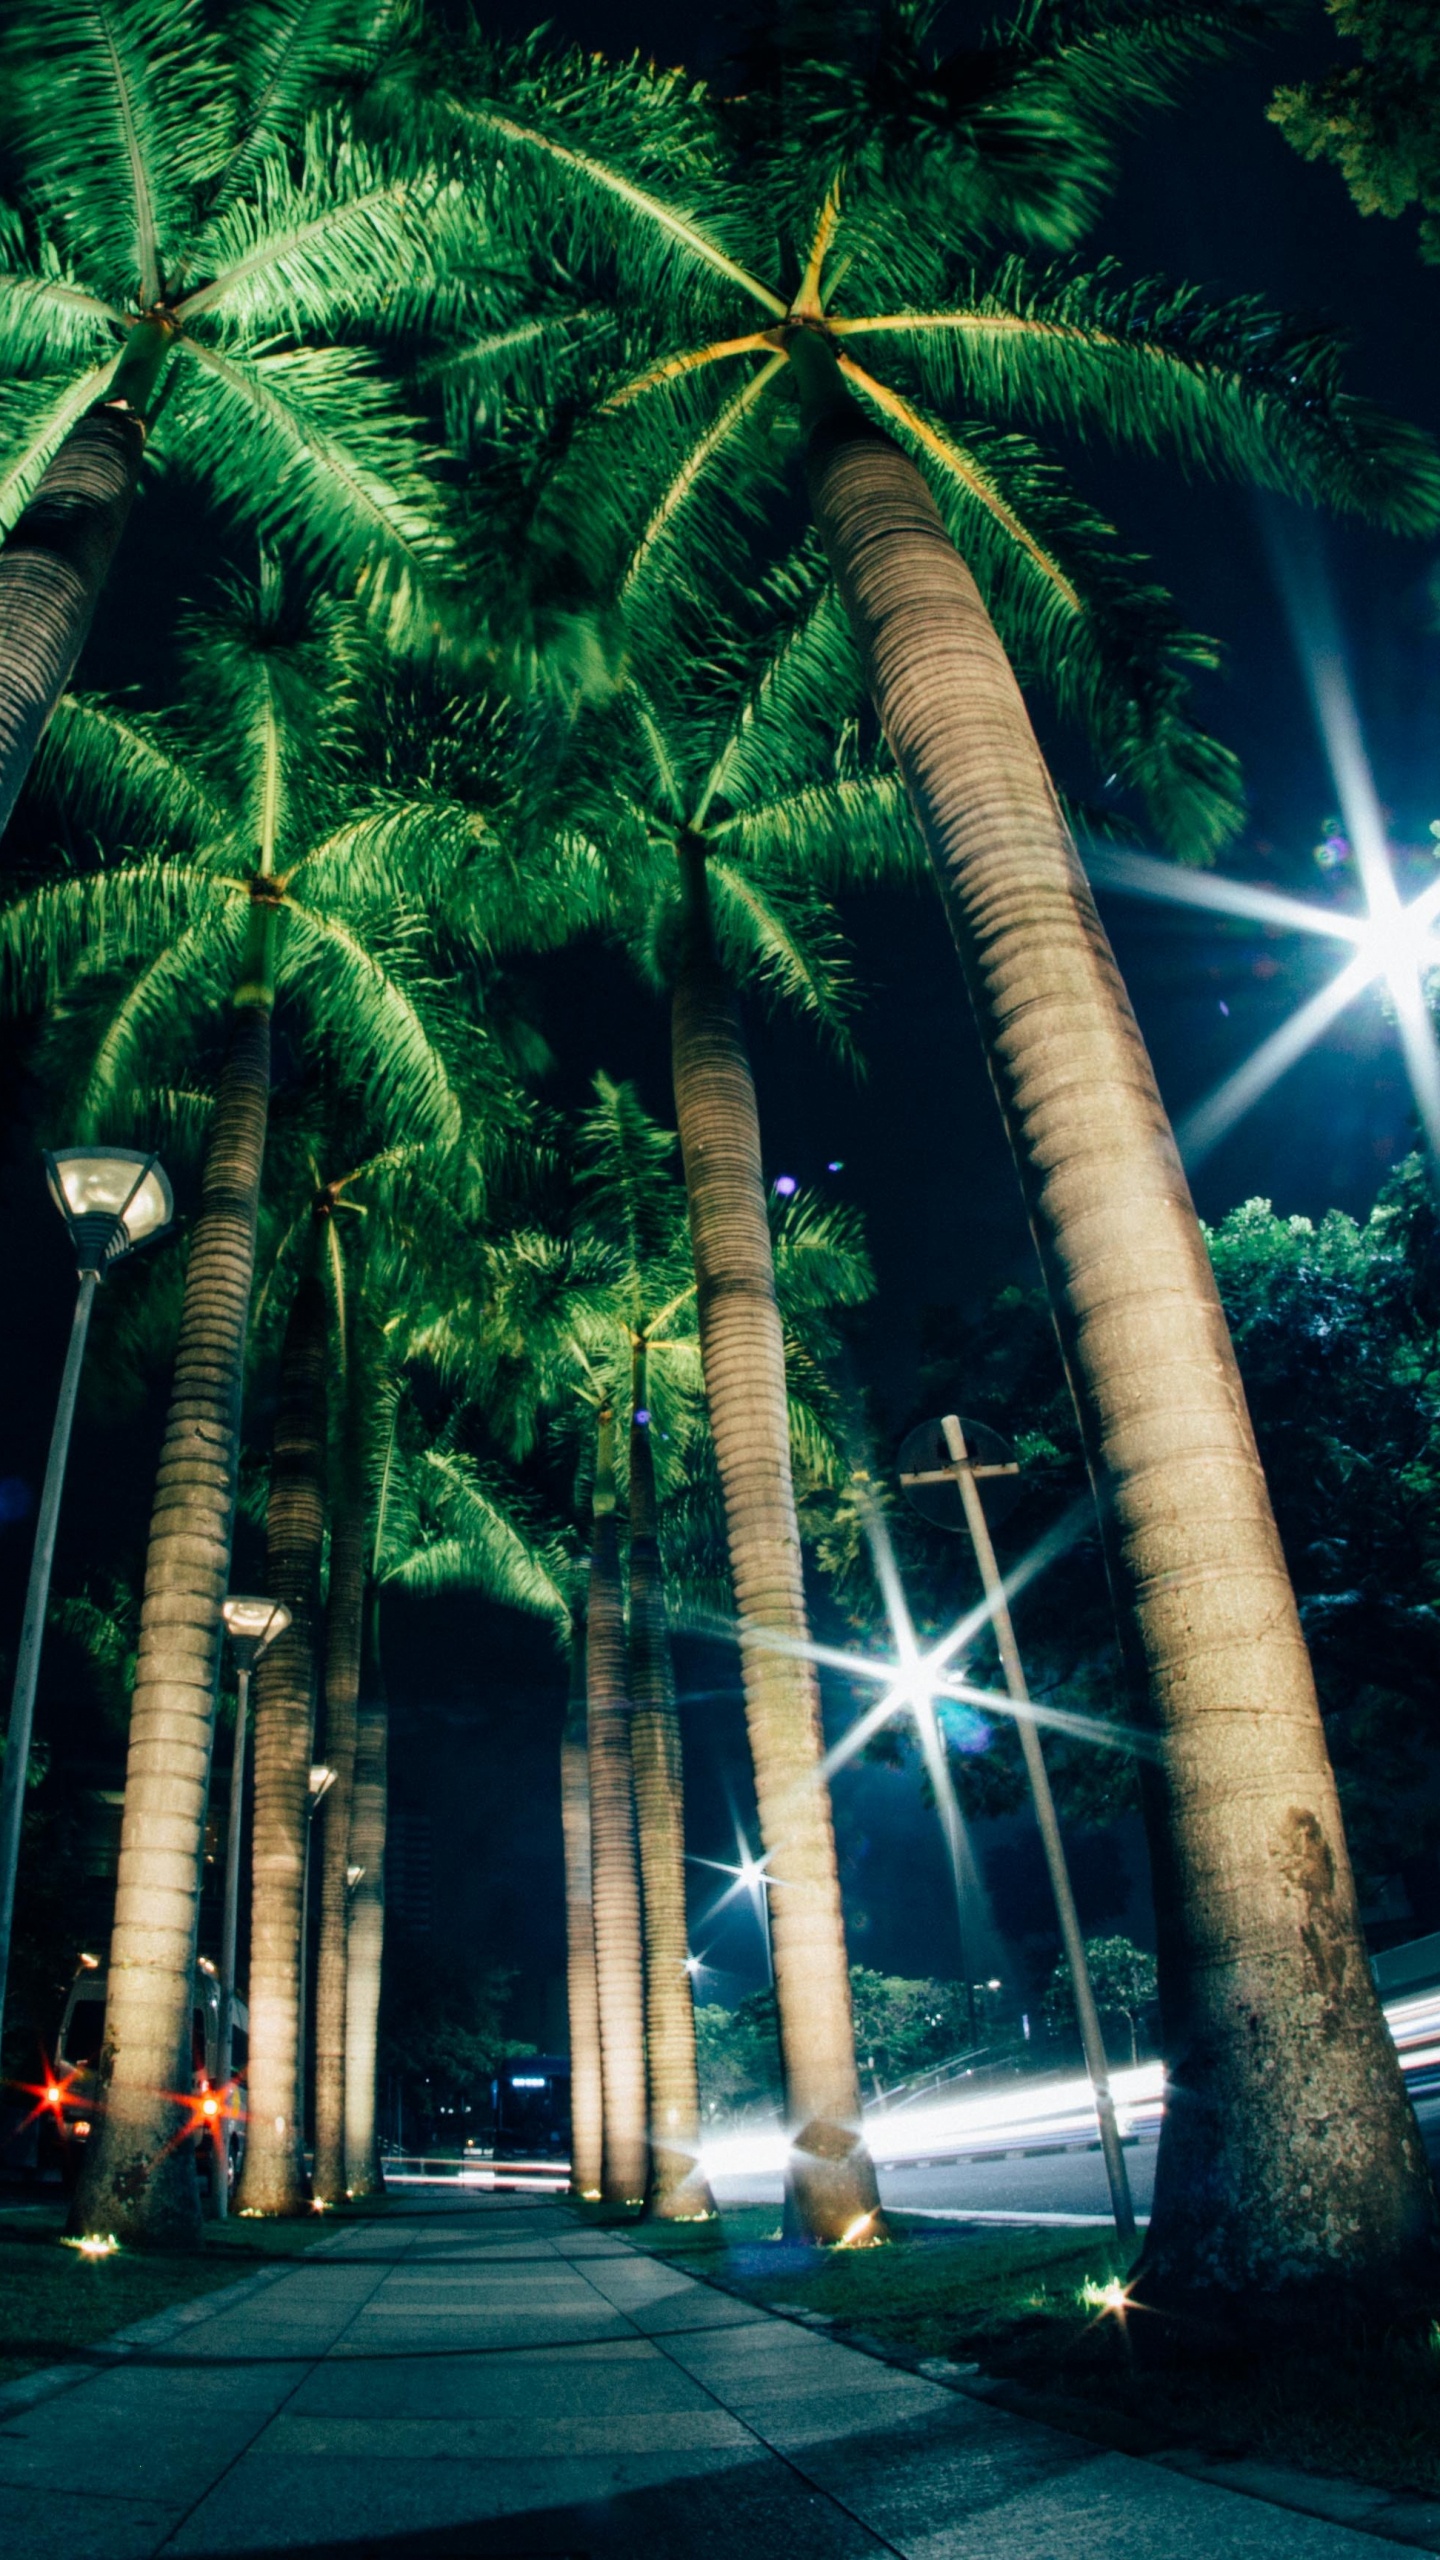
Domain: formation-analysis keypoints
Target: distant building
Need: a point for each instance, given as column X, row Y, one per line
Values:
column 410, row 1870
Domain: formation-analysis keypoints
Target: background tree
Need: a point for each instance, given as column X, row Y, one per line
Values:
column 1377, row 119
column 1125, row 1984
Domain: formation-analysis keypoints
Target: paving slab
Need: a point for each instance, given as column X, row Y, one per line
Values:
column 488, row 2378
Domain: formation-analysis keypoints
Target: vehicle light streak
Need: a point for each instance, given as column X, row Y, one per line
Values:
column 1027, row 2113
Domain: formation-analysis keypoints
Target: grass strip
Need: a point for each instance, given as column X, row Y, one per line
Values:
column 54, row 2302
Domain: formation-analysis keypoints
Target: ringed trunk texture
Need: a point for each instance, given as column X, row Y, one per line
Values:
column 678, row 2191
column 365, row 1940
column 586, row 2102
column 272, row 2180
column 619, row 1961
column 139, row 2179
column 830, row 2183
column 53, row 565
column 1290, row 2159
column 344, row 1633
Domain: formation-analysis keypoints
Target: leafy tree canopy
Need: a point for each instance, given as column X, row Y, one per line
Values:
column 1377, row 120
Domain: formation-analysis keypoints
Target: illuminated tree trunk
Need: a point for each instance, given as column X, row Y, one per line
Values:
column 831, row 2180
column 139, row 2179
column 365, row 1942
column 344, row 1635
column 586, row 2102
column 616, row 1879
column 1290, row 2157
column 678, row 2191
column 272, row 2179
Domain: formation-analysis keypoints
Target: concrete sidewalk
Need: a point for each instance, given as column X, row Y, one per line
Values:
column 492, row 2377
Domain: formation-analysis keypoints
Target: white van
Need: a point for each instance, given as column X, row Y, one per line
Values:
column 69, row 2100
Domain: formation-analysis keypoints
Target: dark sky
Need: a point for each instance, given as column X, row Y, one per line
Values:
column 1210, row 192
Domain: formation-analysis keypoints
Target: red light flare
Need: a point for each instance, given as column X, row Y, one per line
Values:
column 50, row 2094
column 204, row 2114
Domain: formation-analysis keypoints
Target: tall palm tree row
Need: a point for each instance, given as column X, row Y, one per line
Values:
column 568, row 1321
column 202, row 257
column 246, row 794
column 737, row 797
column 956, row 549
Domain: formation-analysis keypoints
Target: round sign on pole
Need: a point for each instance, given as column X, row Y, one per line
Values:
column 927, row 1473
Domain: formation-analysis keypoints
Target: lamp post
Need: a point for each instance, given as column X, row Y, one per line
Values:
column 961, row 1470
column 252, row 1625
column 112, row 1199
column 322, row 1780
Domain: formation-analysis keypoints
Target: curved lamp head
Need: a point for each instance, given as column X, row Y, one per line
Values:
column 111, row 1199
column 251, row 1624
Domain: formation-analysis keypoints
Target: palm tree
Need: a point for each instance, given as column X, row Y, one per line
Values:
column 199, row 247
column 731, row 801
column 615, row 1870
column 274, row 890
column 956, row 550
column 587, row 2106
column 272, row 2179
column 677, row 2190
column 562, row 1322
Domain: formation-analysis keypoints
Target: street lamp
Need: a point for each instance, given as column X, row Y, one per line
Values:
column 112, row 1199
column 251, row 1624
column 939, row 1462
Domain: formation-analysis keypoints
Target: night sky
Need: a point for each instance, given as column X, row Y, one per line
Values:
column 1209, row 192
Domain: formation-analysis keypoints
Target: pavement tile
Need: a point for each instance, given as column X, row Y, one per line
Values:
column 1113, row 2508
column 489, row 2437
column 269, row 2503
column 44, row 2525
column 617, row 2375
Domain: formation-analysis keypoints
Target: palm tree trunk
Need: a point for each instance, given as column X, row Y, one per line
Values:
column 587, row 2120
column 365, row 1943
column 57, row 556
column 678, row 2191
column 619, row 1961
column 139, row 2179
column 272, row 2179
column 1290, row 2156
column 344, row 1636
column 830, row 2184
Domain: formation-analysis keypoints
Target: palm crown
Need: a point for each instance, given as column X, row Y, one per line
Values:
column 727, row 258
column 182, row 198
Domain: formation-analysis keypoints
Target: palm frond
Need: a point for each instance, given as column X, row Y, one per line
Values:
column 99, row 920
column 123, row 774
column 470, row 1538
column 1224, row 386
column 315, row 247
column 783, row 935
column 309, row 448
column 370, row 1007
column 120, row 105
column 287, row 55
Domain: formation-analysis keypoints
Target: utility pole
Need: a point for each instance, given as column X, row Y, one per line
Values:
column 963, row 1473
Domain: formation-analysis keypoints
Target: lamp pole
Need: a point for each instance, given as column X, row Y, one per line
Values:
column 251, row 1625
column 111, row 1199
column 963, row 1472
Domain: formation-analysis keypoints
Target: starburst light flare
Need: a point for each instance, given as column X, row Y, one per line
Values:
column 1395, row 942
